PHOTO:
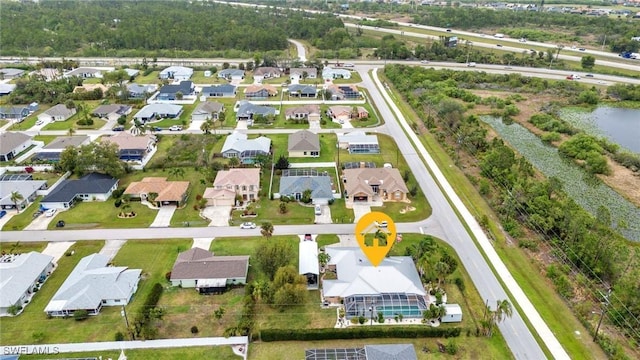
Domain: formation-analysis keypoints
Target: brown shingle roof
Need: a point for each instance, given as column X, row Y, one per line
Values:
column 304, row 109
column 127, row 141
column 198, row 263
column 255, row 88
column 166, row 190
column 241, row 176
column 388, row 180
column 304, row 140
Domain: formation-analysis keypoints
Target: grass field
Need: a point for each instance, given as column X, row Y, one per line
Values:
column 103, row 215
column 22, row 247
column 24, row 218
column 529, row 276
column 30, row 120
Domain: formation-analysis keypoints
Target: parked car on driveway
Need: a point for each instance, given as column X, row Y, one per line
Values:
column 318, row 210
column 248, row 225
column 50, row 212
column 118, row 128
column 3, row 213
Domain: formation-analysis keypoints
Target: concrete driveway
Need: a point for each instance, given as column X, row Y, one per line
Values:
column 242, row 125
column 325, row 217
column 202, row 243
column 57, row 249
column 359, row 210
column 314, row 125
column 111, row 248
column 40, row 223
column 7, row 217
column 219, row 215
column 163, row 218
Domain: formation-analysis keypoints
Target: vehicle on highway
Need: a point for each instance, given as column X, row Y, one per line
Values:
column 582, row 49
column 499, row 36
column 589, row 75
column 348, row 65
column 424, row 61
column 523, row 40
column 3, row 213
column 248, row 225
column 448, row 30
column 499, row 45
column 118, row 128
column 573, row 77
column 175, row 128
column 60, row 224
column 318, row 210
column 471, row 64
column 50, row 212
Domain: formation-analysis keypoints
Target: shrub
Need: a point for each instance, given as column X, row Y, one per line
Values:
column 117, row 203
column 452, row 347
column 119, row 336
column 361, row 320
column 194, row 329
column 459, row 283
column 80, row 315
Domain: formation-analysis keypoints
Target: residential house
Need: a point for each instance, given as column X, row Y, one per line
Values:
column 229, row 184
column 329, row 73
column 261, row 91
column 265, row 72
column 112, row 112
column 302, row 91
column 57, row 113
column 174, row 92
column 224, row 90
column 295, row 186
column 248, row 111
column 93, row 284
column 231, row 74
column 137, row 91
column 10, row 73
column 391, row 287
column 371, row 184
column 154, row 112
column 90, row 88
column 358, row 142
column 20, row 276
column 91, row 187
column 52, row 151
column 28, row 189
column 304, row 143
column 345, row 113
column 308, row 262
column 176, row 73
column 131, row 73
column 209, row 110
column 343, row 92
column 304, row 112
column 368, row 352
column 88, row 72
column 159, row 191
column 299, row 74
column 6, row 89
column 132, row 147
column 200, row 269
column 12, row 144
column 239, row 146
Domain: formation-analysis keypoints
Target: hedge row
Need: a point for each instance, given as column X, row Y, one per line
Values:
column 358, row 333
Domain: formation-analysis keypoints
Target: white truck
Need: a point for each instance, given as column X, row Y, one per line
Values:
column 499, row 36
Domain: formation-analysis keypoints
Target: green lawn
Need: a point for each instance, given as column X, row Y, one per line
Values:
column 199, row 78
column 180, row 353
column 339, row 212
column 103, row 215
column 185, row 118
column 269, row 210
column 45, row 138
column 20, row 329
column 152, row 78
column 71, row 123
column 24, row 218
column 326, row 239
column 22, row 247
column 527, row 273
column 30, row 120
column 355, row 78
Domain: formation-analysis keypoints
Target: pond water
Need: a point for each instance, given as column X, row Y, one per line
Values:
column 619, row 125
column 585, row 191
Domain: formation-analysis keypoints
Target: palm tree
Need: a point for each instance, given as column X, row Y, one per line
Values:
column 503, row 310
column 441, row 269
column 71, row 131
column 266, row 229
column 16, row 197
column 323, row 259
column 206, row 126
column 233, row 162
column 177, row 172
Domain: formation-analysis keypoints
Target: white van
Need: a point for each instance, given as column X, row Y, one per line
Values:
column 499, row 36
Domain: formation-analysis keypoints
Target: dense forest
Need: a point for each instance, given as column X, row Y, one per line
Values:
column 591, row 255
column 158, row 28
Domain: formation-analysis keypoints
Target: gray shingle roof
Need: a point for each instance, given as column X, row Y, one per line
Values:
column 247, row 109
column 198, row 263
column 92, row 281
column 304, row 140
column 222, row 89
column 25, row 188
column 63, row 142
column 207, row 108
column 11, row 140
column 16, row 276
column 60, row 110
column 89, row 184
column 320, row 186
column 185, row 87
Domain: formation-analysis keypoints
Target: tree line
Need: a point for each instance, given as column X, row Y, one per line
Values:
column 102, row 28
column 522, row 199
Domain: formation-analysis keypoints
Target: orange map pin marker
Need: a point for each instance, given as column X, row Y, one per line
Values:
column 375, row 233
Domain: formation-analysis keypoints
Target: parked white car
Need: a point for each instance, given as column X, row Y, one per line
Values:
column 50, row 212
column 248, row 225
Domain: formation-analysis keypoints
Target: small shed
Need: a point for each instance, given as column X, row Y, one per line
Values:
column 207, row 73
column 453, row 313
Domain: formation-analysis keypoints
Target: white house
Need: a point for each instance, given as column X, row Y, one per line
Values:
column 329, row 73
column 20, row 274
column 176, row 73
column 12, row 144
column 308, row 262
column 57, row 113
column 92, row 285
column 91, row 187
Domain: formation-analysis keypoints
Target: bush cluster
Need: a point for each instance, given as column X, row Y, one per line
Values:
column 358, row 333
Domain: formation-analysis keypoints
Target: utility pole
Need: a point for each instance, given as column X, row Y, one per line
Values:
column 126, row 321
column 603, row 310
column 603, row 42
